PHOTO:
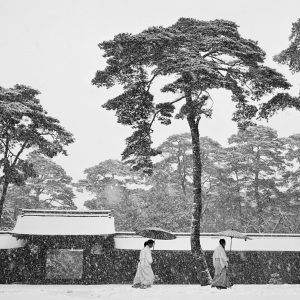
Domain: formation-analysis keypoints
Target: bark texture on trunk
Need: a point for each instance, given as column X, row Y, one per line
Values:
column 258, row 199
column 4, row 178
column 3, row 196
column 197, row 252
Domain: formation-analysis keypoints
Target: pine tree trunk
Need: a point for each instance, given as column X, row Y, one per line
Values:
column 256, row 192
column 197, row 252
column 240, row 210
column 3, row 196
column 5, row 179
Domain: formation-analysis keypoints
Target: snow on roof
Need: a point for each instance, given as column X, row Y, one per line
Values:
column 64, row 222
column 209, row 241
column 7, row 241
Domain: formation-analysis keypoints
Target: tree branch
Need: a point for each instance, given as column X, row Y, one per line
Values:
column 8, row 148
column 151, row 80
column 209, row 53
column 157, row 112
column 19, row 153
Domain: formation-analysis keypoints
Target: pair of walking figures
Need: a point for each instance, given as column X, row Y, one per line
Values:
column 145, row 277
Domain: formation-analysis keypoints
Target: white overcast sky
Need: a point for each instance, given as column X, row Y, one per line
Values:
column 52, row 46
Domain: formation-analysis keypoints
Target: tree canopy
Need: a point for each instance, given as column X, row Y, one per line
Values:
column 50, row 188
column 25, row 126
column 291, row 55
column 110, row 185
column 199, row 56
column 251, row 185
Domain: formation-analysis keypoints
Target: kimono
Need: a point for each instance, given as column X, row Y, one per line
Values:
column 220, row 262
column 144, row 275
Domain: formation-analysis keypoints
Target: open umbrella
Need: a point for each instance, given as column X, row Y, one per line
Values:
column 234, row 234
column 156, row 233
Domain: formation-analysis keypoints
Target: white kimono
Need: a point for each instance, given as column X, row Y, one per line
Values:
column 220, row 258
column 220, row 261
column 144, row 274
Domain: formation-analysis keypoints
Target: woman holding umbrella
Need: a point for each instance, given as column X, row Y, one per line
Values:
column 144, row 277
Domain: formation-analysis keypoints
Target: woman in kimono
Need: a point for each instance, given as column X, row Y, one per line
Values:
column 144, row 277
column 220, row 262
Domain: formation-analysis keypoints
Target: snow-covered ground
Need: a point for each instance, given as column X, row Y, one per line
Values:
column 157, row 292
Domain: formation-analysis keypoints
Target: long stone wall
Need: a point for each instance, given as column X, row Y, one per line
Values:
column 262, row 260
column 177, row 267
column 173, row 267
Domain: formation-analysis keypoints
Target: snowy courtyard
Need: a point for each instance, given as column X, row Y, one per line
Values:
column 174, row 292
column 149, row 144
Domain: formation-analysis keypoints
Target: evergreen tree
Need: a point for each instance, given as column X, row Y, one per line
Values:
column 199, row 56
column 51, row 188
column 25, row 126
column 261, row 165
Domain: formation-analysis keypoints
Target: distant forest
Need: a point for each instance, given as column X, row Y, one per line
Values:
column 251, row 185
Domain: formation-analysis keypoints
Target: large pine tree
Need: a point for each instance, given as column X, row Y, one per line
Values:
column 191, row 58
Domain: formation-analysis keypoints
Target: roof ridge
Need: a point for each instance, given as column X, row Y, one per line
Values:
column 51, row 212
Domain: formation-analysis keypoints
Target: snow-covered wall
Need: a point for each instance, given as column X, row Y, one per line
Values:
column 7, row 241
column 131, row 241
column 258, row 242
